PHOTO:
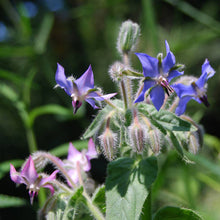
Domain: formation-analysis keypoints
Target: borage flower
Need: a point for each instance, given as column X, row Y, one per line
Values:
column 196, row 90
column 31, row 179
column 81, row 159
column 158, row 73
column 80, row 89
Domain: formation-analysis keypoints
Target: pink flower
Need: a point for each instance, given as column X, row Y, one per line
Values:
column 31, row 179
column 81, row 158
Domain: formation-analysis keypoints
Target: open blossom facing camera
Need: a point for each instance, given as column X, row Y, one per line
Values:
column 158, row 73
column 31, row 179
column 80, row 89
column 196, row 90
column 81, row 158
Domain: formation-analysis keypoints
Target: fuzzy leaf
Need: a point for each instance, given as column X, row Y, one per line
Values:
column 176, row 213
column 94, row 127
column 99, row 198
column 127, row 186
column 166, row 119
column 176, row 144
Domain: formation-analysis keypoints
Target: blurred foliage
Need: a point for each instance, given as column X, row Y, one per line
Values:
column 34, row 35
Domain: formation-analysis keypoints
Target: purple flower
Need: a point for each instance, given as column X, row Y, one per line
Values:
column 81, row 158
column 196, row 90
column 158, row 73
column 80, row 89
column 31, row 179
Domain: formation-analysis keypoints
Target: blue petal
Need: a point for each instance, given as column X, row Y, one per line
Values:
column 92, row 103
column 183, row 90
column 147, row 84
column 208, row 69
column 168, row 62
column 157, row 96
column 167, row 47
column 86, row 81
column 61, row 80
column 202, row 80
column 100, row 97
column 149, row 64
column 174, row 74
column 182, row 105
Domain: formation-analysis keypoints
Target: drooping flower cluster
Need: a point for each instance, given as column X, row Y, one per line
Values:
column 80, row 89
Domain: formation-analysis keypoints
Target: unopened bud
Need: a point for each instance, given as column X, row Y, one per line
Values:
column 128, row 36
column 137, row 137
column 115, row 71
column 194, row 145
column 108, row 142
column 154, row 140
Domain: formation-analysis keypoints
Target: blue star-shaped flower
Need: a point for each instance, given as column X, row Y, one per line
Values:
column 158, row 75
column 196, row 90
column 80, row 89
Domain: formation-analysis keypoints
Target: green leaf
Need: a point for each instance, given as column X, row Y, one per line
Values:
column 99, row 198
column 176, row 144
column 165, row 118
column 5, row 166
column 13, row 77
column 63, row 149
column 43, row 34
column 51, row 109
column 127, row 186
column 205, row 163
column 76, row 197
column 176, row 213
column 10, row 201
column 16, row 51
column 8, row 92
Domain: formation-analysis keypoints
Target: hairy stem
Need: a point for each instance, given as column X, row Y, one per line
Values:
column 57, row 163
column 124, row 95
column 128, row 81
column 94, row 210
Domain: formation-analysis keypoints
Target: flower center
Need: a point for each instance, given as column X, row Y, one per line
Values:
column 165, row 84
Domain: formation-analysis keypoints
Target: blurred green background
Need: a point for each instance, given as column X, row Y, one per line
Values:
column 35, row 35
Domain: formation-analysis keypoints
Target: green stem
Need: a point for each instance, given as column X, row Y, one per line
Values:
column 32, row 144
column 94, row 210
column 129, row 92
column 150, row 23
column 56, row 162
column 124, row 95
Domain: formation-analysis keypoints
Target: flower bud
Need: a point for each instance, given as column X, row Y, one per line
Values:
column 128, row 36
column 194, row 144
column 108, row 142
column 115, row 71
column 137, row 138
column 154, row 140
